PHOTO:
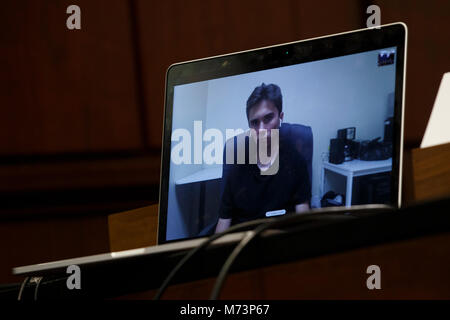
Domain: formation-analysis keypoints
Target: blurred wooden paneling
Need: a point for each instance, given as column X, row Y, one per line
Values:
column 63, row 90
column 174, row 31
column 112, row 171
column 428, row 51
column 42, row 240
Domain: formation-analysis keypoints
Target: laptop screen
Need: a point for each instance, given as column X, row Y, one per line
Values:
column 281, row 130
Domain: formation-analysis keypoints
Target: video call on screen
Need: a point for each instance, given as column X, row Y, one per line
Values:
column 344, row 106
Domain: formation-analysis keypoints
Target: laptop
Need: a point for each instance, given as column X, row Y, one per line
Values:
column 276, row 130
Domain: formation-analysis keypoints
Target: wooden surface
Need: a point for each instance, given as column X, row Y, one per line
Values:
column 133, row 229
column 413, row 269
column 431, row 172
column 67, row 91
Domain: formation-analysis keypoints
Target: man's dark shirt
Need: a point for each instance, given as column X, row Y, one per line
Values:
column 248, row 195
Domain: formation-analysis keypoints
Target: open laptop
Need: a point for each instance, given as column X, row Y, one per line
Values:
column 334, row 106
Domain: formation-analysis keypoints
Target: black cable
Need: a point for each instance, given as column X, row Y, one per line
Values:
column 38, row 282
column 204, row 244
column 250, row 235
column 280, row 222
column 238, row 227
column 22, row 287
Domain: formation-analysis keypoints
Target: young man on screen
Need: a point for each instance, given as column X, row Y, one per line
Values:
column 249, row 190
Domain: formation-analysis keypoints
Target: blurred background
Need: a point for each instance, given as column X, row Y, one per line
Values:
column 82, row 110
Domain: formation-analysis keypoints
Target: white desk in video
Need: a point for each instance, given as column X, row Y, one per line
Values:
column 354, row 168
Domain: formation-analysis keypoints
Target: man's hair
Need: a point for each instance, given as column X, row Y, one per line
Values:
column 270, row 92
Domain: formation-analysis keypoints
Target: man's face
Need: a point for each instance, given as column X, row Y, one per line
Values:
column 264, row 116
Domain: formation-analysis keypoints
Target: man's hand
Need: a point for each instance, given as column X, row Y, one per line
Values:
column 222, row 225
column 303, row 207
